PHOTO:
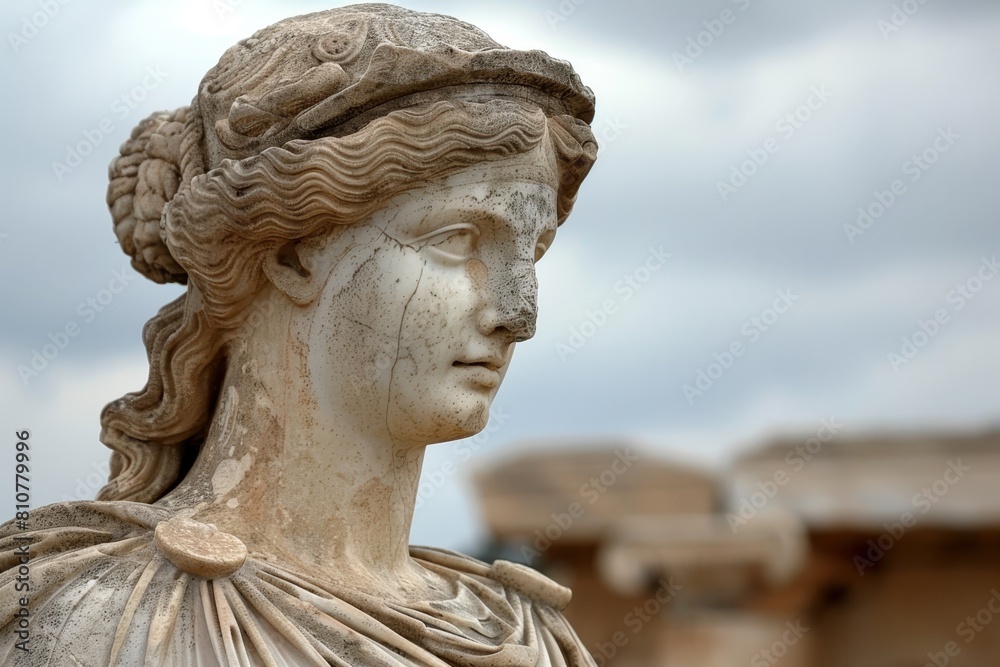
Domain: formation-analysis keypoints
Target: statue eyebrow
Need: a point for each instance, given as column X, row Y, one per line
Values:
column 433, row 222
column 416, row 227
column 423, row 238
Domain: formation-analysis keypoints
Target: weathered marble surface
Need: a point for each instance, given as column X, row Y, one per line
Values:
column 356, row 200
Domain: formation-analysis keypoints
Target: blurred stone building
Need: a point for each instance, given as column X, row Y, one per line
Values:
column 819, row 552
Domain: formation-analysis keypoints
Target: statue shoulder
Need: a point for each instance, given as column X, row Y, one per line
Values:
column 125, row 583
column 523, row 580
column 65, row 528
column 528, row 593
column 66, row 573
column 120, row 582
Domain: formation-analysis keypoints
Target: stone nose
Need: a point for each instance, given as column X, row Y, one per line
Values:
column 512, row 305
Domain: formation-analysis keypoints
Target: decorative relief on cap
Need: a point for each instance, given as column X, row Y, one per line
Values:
column 327, row 74
column 343, row 45
column 531, row 584
column 199, row 549
column 316, row 75
column 251, row 119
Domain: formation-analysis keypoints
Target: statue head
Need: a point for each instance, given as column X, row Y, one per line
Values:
column 383, row 178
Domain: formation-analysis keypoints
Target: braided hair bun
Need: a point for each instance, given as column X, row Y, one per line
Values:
column 161, row 155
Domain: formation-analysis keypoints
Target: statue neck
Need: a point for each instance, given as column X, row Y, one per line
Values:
column 323, row 493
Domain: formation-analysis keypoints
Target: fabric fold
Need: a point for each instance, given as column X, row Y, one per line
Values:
column 102, row 594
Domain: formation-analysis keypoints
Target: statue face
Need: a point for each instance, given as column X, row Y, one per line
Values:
column 417, row 321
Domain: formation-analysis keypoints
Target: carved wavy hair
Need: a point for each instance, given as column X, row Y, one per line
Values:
column 219, row 226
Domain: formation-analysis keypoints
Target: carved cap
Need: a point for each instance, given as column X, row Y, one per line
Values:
column 331, row 72
column 324, row 74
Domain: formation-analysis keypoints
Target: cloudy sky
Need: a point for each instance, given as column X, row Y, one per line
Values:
column 823, row 176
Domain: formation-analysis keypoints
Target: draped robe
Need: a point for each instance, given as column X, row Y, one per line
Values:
column 103, row 594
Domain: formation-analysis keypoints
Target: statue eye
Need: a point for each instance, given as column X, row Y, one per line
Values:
column 452, row 243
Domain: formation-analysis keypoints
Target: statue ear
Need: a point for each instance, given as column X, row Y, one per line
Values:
column 286, row 271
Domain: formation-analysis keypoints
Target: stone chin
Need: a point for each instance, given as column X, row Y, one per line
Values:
column 467, row 414
column 477, row 420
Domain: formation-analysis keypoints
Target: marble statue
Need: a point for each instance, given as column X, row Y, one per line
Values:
column 355, row 199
